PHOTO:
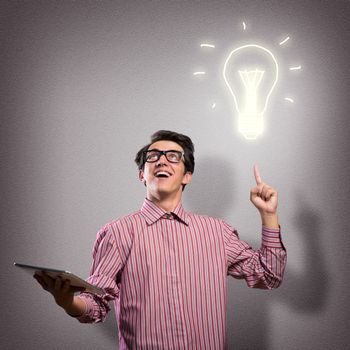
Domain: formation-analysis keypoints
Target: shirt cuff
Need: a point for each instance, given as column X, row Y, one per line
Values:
column 271, row 237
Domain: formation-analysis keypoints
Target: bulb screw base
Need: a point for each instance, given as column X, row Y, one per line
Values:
column 251, row 125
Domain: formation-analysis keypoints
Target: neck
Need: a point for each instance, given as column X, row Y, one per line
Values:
column 167, row 203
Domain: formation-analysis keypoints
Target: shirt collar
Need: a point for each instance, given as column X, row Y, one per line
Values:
column 152, row 213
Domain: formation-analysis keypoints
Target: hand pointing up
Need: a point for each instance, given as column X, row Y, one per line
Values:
column 265, row 199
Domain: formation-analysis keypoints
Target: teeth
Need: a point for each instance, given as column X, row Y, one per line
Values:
column 162, row 173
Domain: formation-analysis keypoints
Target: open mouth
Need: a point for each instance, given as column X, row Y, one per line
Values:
column 162, row 174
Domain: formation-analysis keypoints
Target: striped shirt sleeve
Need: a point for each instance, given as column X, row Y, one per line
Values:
column 263, row 268
column 104, row 270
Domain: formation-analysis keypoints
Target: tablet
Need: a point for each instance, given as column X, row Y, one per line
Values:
column 54, row 273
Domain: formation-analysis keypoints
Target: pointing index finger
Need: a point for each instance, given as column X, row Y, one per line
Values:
column 257, row 175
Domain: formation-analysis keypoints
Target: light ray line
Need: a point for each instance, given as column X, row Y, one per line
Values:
column 244, row 26
column 199, row 73
column 289, row 99
column 285, row 40
column 208, row 45
column 295, row 68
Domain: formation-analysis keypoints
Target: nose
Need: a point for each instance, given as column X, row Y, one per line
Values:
column 162, row 160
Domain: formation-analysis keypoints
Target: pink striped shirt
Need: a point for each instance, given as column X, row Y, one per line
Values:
column 167, row 276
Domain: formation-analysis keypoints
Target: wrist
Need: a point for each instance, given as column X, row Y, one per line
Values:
column 270, row 220
column 76, row 308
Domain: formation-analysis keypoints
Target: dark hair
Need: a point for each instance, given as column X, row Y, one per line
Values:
column 164, row 135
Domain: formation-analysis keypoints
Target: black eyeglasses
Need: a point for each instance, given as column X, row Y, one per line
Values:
column 153, row 155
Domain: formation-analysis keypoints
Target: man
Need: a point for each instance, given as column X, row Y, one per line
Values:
column 166, row 268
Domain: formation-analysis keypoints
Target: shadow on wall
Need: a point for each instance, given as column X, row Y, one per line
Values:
column 305, row 292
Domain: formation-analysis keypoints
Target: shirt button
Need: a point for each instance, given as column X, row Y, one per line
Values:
column 168, row 216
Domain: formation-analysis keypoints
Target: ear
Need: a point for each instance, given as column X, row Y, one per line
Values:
column 141, row 177
column 187, row 178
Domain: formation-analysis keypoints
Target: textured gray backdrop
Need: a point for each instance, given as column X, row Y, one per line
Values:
column 84, row 84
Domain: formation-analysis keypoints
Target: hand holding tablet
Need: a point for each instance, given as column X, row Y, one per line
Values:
column 59, row 276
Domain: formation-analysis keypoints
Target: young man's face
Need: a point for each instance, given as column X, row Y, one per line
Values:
column 164, row 178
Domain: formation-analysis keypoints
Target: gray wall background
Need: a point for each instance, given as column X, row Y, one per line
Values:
column 84, row 84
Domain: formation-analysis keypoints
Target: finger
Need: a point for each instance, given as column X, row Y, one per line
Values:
column 257, row 190
column 265, row 192
column 77, row 289
column 58, row 283
column 48, row 280
column 254, row 192
column 257, row 175
column 67, row 287
column 267, row 195
column 260, row 188
column 40, row 280
column 271, row 195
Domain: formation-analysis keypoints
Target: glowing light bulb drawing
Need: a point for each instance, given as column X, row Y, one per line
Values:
column 250, row 73
column 251, row 85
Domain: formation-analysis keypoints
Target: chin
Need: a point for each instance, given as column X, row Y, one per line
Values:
column 164, row 191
